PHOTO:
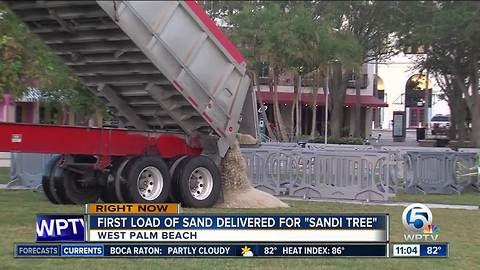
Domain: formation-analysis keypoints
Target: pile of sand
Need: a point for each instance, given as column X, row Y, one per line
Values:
column 249, row 198
column 246, row 139
column 237, row 191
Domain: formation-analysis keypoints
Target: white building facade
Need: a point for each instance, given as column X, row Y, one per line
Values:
column 393, row 77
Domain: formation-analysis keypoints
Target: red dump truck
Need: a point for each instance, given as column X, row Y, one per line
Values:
column 173, row 79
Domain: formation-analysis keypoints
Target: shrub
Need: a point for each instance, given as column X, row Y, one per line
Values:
column 336, row 140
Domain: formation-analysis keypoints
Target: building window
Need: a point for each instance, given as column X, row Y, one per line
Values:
column 19, row 113
column 352, row 80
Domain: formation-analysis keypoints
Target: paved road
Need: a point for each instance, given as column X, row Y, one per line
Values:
column 403, row 204
column 387, row 139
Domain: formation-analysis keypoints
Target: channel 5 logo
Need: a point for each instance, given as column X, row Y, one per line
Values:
column 417, row 218
column 58, row 228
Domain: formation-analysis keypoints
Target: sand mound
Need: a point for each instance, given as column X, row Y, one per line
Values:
column 237, row 191
column 246, row 139
column 250, row 198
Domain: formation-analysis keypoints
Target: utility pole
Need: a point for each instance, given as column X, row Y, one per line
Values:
column 326, row 90
column 425, row 106
column 376, row 121
column 298, row 124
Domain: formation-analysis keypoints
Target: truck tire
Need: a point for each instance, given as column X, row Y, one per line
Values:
column 173, row 164
column 48, row 184
column 77, row 192
column 197, row 181
column 114, row 188
column 148, row 181
column 108, row 193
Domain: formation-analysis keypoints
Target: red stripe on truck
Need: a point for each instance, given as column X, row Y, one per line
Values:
column 207, row 117
column 194, row 103
column 221, row 132
column 221, row 37
column 177, row 85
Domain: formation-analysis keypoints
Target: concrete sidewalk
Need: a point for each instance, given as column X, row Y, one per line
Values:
column 403, row 204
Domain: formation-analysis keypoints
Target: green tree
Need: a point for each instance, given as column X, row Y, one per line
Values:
column 268, row 25
column 344, row 57
column 292, row 36
column 449, row 33
column 248, row 38
column 26, row 62
column 371, row 23
column 317, row 44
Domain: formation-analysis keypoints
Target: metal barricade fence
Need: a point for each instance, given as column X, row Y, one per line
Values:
column 430, row 172
column 394, row 160
column 410, row 169
column 439, row 172
column 361, row 172
column 468, row 168
column 27, row 169
column 319, row 174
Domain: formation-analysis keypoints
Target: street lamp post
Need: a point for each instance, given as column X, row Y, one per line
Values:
column 326, row 90
column 426, row 104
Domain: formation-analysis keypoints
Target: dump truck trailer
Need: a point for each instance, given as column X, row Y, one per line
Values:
column 177, row 84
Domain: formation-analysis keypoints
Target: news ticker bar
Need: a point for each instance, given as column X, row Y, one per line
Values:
column 237, row 228
column 420, row 250
column 212, row 228
column 201, row 250
column 238, row 221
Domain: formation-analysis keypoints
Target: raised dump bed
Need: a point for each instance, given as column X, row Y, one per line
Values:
column 159, row 65
column 166, row 71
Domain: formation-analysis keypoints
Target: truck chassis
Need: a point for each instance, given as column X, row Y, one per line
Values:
column 117, row 165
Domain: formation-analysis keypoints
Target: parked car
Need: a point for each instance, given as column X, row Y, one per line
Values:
column 439, row 124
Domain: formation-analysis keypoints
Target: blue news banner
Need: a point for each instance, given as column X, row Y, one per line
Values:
column 200, row 250
column 238, row 228
column 227, row 236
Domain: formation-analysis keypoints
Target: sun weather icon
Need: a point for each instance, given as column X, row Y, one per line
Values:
column 246, row 252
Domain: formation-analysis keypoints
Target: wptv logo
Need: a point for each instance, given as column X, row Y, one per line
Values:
column 60, row 228
column 417, row 218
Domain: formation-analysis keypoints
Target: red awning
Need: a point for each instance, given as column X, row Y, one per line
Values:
column 283, row 97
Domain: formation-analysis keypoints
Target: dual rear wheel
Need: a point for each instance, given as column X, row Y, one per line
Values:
column 196, row 182
column 69, row 185
column 193, row 181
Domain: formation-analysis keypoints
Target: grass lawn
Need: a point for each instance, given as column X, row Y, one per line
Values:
column 470, row 197
column 4, row 175
column 459, row 227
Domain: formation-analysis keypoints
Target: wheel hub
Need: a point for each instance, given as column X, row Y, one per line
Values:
column 150, row 183
column 200, row 183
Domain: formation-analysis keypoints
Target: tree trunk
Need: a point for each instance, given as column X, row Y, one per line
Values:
column 475, row 104
column 461, row 118
column 276, row 108
column 452, row 131
column 65, row 114
column 275, row 116
column 314, row 112
column 338, row 88
column 475, row 113
column 294, row 105
column 357, row 132
column 99, row 118
column 467, row 102
column 458, row 107
column 298, row 124
column 336, row 121
column 316, row 85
